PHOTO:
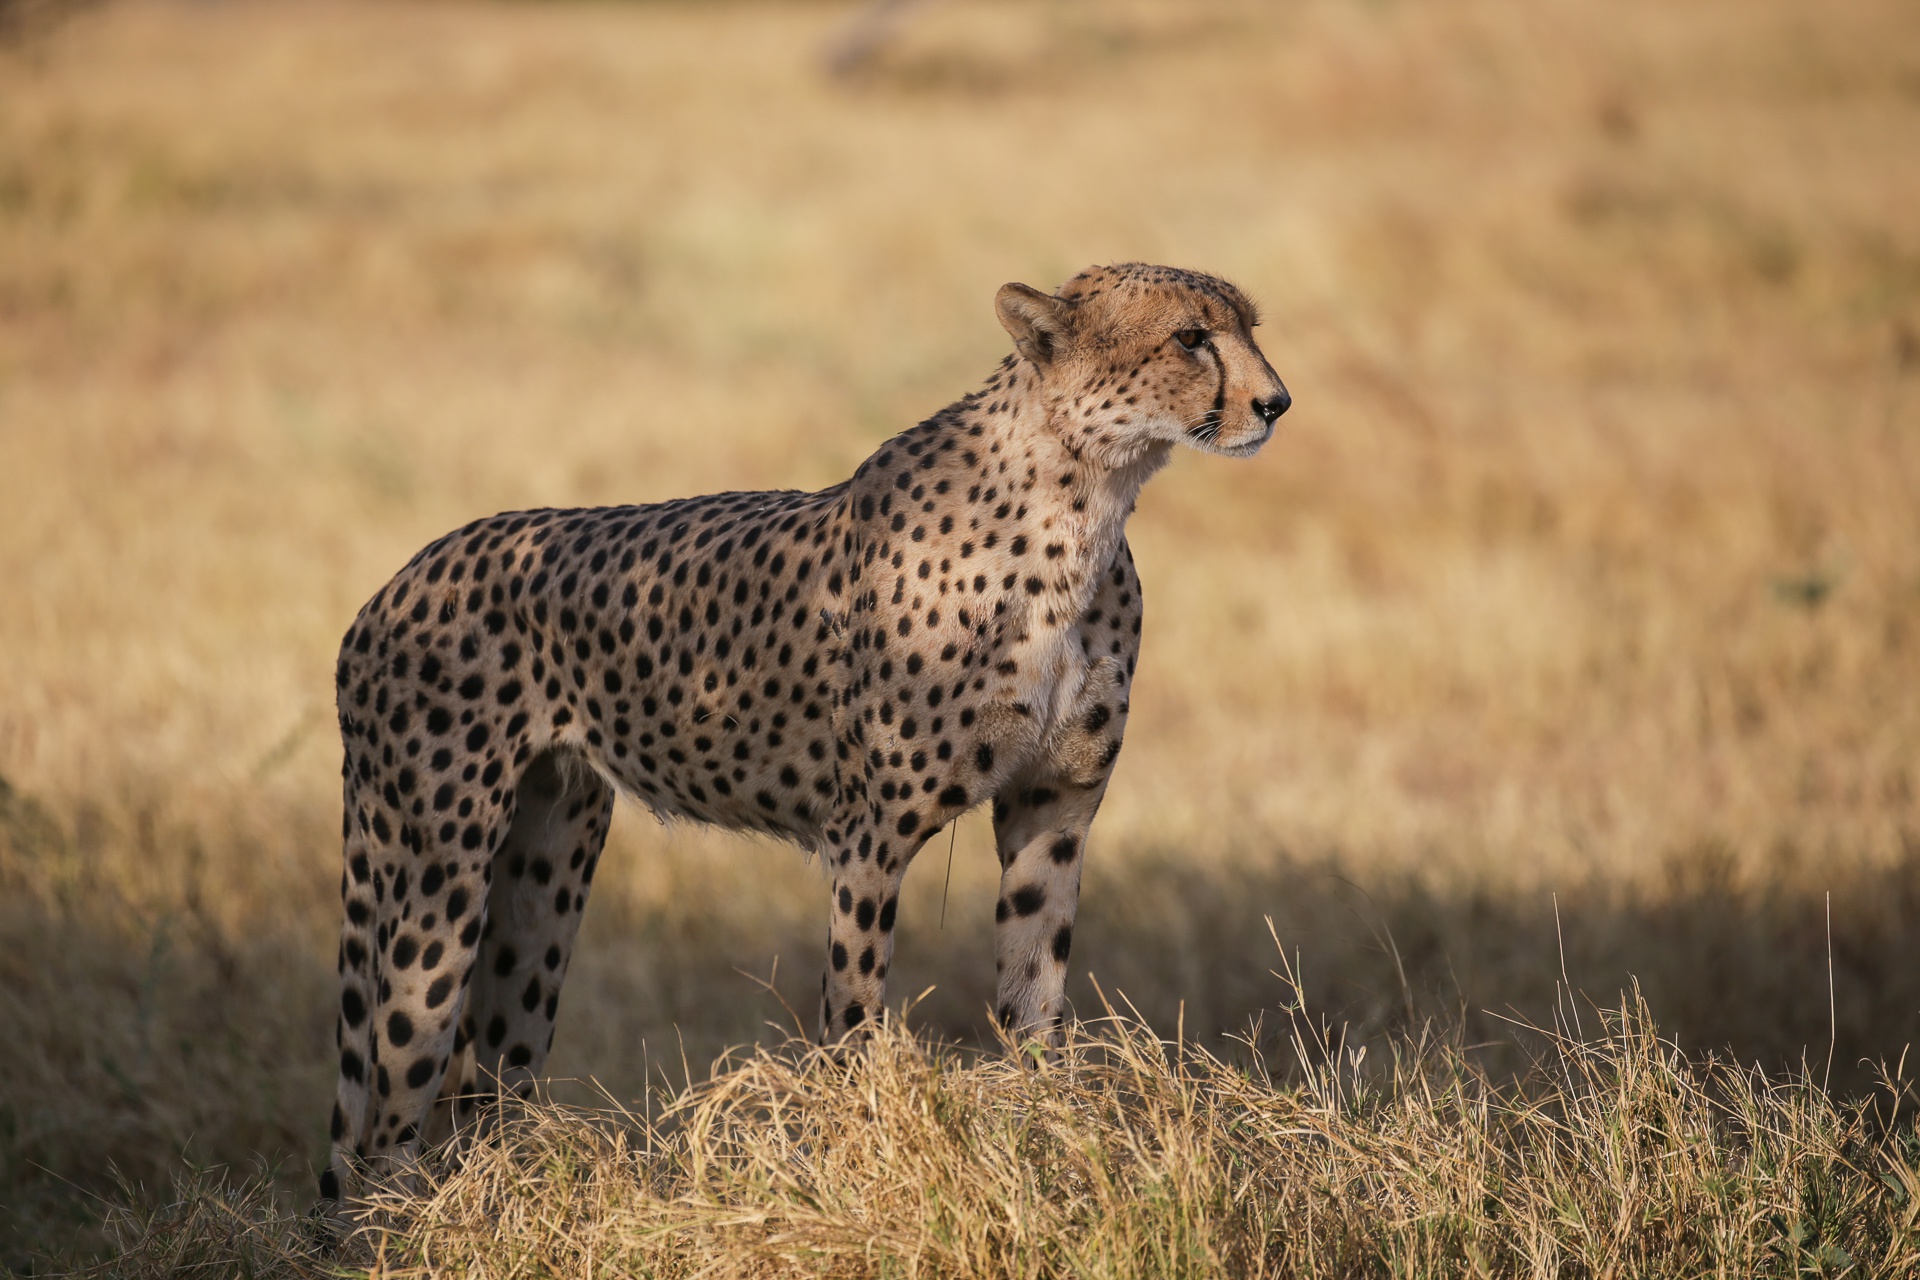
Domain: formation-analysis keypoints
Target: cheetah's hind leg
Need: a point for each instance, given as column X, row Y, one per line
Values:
column 541, row 875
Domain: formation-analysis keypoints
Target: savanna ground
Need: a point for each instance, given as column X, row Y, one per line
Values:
column 1568, row 632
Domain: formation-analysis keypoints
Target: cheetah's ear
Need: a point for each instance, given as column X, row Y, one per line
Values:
column 1036, row 320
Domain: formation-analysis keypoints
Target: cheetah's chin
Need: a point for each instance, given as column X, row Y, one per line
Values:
column 1245, row 449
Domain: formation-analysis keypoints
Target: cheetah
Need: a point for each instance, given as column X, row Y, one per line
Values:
column 850, row 670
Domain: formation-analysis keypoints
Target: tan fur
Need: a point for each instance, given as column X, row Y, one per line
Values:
column 850, row 669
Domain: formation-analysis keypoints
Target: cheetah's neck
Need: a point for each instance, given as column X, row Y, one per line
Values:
column 1076, row 494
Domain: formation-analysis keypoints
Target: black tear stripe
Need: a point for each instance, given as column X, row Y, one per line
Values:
column 1208, row 428
column 1218, row 418
column 1220, row 396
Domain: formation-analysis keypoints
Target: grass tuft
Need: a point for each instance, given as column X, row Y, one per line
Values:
column 1136, row 1156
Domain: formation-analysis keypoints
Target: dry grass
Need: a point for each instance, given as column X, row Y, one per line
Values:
column 1139, row 1158
column 1587, row 572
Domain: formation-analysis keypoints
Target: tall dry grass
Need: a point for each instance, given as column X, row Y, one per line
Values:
column 1574, row 620
column 1135, row 1157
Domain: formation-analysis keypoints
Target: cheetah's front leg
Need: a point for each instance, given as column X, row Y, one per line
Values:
column 1085, row 741
column 1040, row 825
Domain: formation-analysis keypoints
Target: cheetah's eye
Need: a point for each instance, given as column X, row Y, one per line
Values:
column 1191, row 339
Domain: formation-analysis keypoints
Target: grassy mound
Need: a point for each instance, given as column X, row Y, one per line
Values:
column 1139, row 1157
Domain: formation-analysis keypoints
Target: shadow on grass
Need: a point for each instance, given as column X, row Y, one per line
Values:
column 148, row 1026
column 1740, row 971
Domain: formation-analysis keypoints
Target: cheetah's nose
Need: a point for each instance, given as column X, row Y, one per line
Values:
column 1273, row 406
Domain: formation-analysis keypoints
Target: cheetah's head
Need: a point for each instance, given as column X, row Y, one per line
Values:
column 1134, row 355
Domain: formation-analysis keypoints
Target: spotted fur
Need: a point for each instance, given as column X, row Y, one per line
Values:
column 850, row 670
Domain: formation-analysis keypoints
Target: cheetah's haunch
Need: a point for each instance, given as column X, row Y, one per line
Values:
column 851, row 669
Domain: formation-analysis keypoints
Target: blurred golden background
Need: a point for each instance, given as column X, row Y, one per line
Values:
column 1569, row 626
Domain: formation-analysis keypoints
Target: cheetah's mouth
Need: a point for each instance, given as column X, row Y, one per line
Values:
column 1247, row 448
column 1207, row 430
column 1206, row 435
